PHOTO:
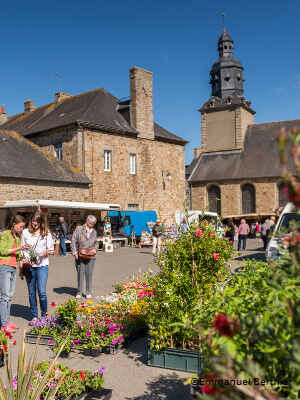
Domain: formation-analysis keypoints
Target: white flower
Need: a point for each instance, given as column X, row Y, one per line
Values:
column 166, row 304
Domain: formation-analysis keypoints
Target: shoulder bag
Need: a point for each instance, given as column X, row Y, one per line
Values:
column 84, row 252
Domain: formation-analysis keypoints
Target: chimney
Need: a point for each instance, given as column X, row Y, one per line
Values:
column 28, row 106
column 141, row 102
column 59, row 96
column 3, row 115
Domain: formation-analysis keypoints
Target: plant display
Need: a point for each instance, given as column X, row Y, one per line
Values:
column 190, row 270
column 3, row 341
column 47, row 325
column 252, row 327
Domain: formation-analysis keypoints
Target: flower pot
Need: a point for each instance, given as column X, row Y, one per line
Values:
column 86, row 352
column 64, row 354
column 182, row 360
column 95, row 352
column 102, row 394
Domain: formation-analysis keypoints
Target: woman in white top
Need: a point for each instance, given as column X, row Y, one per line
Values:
column 39, row 237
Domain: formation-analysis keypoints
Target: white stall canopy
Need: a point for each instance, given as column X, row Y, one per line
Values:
column 60, row 204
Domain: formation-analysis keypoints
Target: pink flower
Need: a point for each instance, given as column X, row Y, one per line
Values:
column 198, row 232
column 120, row 339
column 211, row 234
column 103, row 335
column 230, row 242
column 50, row 341
column 88, row 333
column 111, row 331
column 216, row 256
column 113, row 341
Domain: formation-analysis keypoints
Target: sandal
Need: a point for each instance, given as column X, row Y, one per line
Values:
column 78, row 296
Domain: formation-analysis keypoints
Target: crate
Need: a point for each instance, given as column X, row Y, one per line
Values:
column 43, row 339
column 2, row 358
column 179, row 359
column 102, row 394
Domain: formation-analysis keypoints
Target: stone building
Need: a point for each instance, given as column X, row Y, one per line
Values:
column 238, row 161
column 128, row 158
column 27, row 172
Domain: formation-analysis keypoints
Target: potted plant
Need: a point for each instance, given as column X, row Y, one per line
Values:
column 64, row 341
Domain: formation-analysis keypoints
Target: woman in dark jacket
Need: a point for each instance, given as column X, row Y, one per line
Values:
column 230, row 231
column 85, row 236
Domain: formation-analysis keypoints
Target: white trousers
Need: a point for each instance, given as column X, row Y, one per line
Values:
column 156, row 242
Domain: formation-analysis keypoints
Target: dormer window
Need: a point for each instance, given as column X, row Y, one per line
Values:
column 239, row 79
column 227, row 78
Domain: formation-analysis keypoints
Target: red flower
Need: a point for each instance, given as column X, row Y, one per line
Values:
column 8, row 334
column 198, row 232
column 5, row 347
column 207, row 389
column 53, row 304
column 216, row 256
column 225, row 326
column 211, row 234
column 14, row 343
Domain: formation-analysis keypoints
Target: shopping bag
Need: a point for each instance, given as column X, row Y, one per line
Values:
column 56, row 250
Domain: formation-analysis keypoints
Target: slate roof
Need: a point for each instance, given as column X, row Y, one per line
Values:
column 20, row 158
column 98, row 109
column 259, row 159
column 189, row 168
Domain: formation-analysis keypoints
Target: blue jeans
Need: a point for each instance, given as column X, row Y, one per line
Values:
column 244, row 239
column 37, row 279
column 7, row 288
column 62, row 247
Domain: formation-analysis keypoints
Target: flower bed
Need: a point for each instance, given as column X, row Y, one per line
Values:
column 115, row 319
column 70, row 382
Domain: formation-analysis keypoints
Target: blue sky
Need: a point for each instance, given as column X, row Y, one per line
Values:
column 93, row 43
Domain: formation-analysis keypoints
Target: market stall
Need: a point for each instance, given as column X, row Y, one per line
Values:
column 74, row 214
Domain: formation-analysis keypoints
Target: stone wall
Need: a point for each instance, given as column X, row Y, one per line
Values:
column 154, row 160
column 28, row 189
column 266, row 192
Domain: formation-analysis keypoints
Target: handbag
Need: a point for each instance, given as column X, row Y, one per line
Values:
column 84, row 252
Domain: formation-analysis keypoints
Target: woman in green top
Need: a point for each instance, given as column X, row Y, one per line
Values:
column 10, row 247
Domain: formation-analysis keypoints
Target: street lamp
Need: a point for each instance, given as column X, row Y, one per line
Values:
column 163, row 186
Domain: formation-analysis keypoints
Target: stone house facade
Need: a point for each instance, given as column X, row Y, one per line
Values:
column 236, row 171
column 127, row 157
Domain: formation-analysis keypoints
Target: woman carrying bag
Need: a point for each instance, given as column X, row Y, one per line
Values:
column 38, row 238
column 84, row 248
column 10, row 254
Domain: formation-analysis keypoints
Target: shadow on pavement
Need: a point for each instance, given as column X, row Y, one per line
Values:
column 261, row 256
column 164, row 387
column 18, row 310
column 168, row 385
column 65, row 290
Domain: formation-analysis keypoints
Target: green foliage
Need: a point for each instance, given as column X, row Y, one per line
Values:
column 67, row 313
column 190, row 270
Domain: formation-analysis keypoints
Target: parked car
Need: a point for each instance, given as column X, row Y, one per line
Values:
column 287, row 217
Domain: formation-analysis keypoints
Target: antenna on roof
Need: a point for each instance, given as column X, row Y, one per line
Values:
column 223, row 20
column 58, row 76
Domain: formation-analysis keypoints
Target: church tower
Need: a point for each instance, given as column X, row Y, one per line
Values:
column 226, row 115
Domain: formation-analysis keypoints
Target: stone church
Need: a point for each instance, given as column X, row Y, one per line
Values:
column 238, row 161
column 116, row 152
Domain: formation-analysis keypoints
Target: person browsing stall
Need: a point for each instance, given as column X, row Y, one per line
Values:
column 84, row 248
column 10, row 254
column 38, row 238
column 157, row 234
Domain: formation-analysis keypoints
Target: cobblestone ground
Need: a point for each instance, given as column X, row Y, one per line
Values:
column 127, row 371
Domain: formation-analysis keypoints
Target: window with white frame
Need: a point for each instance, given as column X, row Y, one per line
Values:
column 107, row 160
column 58, row 151
column 132, row 164
column 133, row 207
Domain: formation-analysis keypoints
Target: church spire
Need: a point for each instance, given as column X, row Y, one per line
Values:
column 226, row 73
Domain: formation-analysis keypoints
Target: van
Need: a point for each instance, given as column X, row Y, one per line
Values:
column 283, row 225
column 132, row 220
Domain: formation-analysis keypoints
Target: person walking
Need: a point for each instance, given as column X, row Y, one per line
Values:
column 38, row 238
column 157, row 234
column 184, row 226
column 10, row 254
column 272, row 223
column 243, row 231
column 63, row 230
column 230, row 230
column 85, row 237
column 265, row 232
